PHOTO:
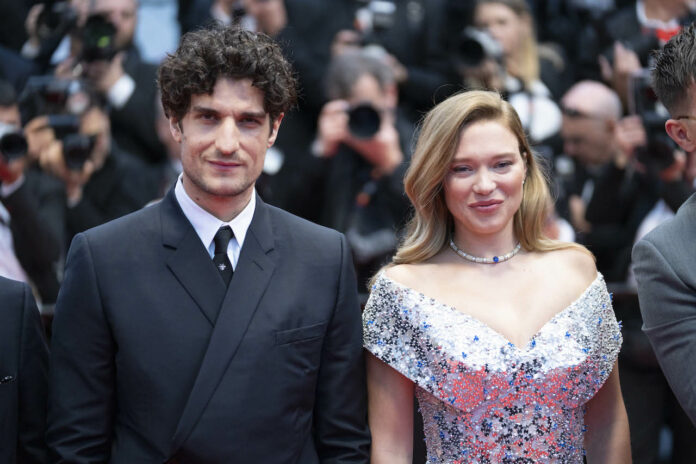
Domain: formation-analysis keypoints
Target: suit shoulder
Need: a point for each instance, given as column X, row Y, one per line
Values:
column 10, row 289
column 12, row 295
column 676, row 230
column 126, row 225
column 296, row 225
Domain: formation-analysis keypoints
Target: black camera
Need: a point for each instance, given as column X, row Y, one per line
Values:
column 98, row 39
column 56, row 19
column 77, row 148
column 475, row 46
column 13, row 145
column 44, row 95
column 363, row 121
column 658, row 151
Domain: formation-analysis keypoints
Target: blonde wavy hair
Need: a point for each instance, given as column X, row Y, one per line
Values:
column 428, row 229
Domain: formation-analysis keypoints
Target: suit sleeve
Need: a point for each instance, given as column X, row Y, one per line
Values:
column 33, row 385
column 82, row 374
column 668, row 307
column 340, row 417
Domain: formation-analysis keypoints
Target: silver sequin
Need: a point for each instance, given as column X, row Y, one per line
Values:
column 483, row 399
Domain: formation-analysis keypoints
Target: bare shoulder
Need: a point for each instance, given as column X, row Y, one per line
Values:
column 407, row 274
column 574, row 266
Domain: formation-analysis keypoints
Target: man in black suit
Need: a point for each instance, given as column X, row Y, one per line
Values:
column 211, row 327
column 23, row 375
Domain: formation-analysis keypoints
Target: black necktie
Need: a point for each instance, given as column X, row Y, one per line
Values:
column 222, row 262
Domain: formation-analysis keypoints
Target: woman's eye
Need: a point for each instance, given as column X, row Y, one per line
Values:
column 461, row 169
column 503, row 164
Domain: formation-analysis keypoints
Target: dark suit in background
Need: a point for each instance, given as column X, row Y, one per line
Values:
column 664, row 267
column 23, row 375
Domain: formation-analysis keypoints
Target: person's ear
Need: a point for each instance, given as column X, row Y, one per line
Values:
column 275, row 125
column 679, row 132
column 175, row 129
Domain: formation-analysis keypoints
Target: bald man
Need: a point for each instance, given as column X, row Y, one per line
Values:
column 606, row 202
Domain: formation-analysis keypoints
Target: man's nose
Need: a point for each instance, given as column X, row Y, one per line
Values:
column 227, row 137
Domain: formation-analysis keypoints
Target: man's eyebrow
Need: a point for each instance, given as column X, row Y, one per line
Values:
column 203, row 109
column 254, row 114
column 246, row 114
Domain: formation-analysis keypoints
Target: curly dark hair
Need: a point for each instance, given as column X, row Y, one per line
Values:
column 206, row 54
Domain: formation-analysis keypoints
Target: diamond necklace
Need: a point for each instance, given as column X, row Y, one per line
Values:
column 476, row 259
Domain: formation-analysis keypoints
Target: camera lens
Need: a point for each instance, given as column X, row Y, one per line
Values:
column 98, row 37
column 13, row 145
column 77, row 149
column 363, row 121
column 475, row 46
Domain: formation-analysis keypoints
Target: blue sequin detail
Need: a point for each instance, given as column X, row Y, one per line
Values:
column 481, row 398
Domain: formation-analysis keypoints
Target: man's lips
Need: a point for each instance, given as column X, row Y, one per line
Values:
column 223, row 164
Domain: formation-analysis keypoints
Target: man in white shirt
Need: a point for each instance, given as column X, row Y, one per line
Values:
column 211, row 327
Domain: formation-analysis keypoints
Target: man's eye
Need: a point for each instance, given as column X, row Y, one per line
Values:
column 207, row 117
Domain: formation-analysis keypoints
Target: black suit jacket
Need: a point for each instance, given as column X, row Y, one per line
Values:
column 23, row 376
column 154, row 358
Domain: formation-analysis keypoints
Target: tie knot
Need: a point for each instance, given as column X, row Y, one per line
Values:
column 222, row 239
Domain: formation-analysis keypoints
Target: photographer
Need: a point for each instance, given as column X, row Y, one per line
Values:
column 363, row 138
column 101, row 182
column 409, row 36
column 31, row 211
column 100, row 48
column 616, row 46
column 500, row 52
column 606, row 197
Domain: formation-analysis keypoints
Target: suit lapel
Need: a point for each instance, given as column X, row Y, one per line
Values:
column 189, row 261
column 251, row 277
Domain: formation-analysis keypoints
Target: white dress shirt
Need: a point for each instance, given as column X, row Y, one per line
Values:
column 206, row 225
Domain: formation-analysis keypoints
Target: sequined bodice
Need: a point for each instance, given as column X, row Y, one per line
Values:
column 483, row 399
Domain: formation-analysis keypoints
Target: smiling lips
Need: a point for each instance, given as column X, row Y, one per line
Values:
column 224, row 164
column 487, row 206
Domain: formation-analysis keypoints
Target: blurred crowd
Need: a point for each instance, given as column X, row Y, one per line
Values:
column 83, row 137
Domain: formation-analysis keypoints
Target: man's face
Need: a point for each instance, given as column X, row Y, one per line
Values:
column 223, row 138
column 269, row 14
column 10, row 115
column 589, row 139
column 123, row 15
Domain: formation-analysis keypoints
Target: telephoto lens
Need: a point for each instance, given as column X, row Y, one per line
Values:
column 363, row 121
column 13, row 145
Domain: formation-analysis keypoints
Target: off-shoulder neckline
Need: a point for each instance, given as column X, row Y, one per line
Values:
column 598, row 278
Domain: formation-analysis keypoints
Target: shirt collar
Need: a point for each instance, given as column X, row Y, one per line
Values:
column 205, row 224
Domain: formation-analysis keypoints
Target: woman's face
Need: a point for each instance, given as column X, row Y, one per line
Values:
column 502, row 23
column 483, row 185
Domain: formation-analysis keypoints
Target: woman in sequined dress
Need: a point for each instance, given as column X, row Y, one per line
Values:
column 508, row 339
